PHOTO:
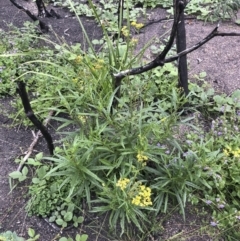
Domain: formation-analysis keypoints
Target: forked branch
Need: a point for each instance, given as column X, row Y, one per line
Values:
column 152, row 64
column 159, row 60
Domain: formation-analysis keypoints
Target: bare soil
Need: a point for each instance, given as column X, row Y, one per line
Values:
column 219, row 58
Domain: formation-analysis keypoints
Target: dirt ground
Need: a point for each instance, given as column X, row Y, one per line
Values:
column 219, row 58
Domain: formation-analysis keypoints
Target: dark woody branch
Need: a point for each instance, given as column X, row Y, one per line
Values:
column 179, row 6
column 29, row 113
column 43, row 26
column 159, row 60
column 213, row 34
column 153, row 64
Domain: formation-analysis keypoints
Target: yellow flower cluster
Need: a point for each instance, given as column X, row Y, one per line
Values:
column 122, row 183
column 137, row 25
column 99, row 64
column 164, row 119
column 133, row 42
column 229, row 151
column 75, row 80
column 79, row 83
column 83, row 119
column 78, row 59
column 125, row 31
column 143, row 198
column 141, row 157
column 140, row 195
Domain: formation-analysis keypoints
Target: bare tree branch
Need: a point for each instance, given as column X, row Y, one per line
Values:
column 213, row 34
column 32, row 117
column 152, row 64
column 43, row 26
column 158, row 61
column 181, row 45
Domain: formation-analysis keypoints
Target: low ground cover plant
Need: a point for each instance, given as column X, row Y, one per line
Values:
column 132, row 160
column 12, row 236
column 207, row 10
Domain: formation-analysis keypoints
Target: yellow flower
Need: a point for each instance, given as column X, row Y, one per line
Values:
column 136, row 200
column 101, row 61
column 125, row 31
column 133, row 41
column 82, row 119
column 99, row 64
column 139, row 194
column 225, row 151
column 122, row 183
column 133, row 23
column 163, row 119
column 229, row 151
column 137, row 25
column 236, row 153
column 141, row 157
column 143, row 198
column 78, row 59
column 75, row 80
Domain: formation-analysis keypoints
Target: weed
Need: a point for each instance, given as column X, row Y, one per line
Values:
column 12, row 236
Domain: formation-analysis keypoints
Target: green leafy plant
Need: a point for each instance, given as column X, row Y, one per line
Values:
column 209, row 10
column 79, row 237
column 12, row 236
column 216, row 159
column 8, row 235
column 32, row 235
column 49, row 197
column 64, row 214
column 110, row 144
column 21, row 176
column 23, row 173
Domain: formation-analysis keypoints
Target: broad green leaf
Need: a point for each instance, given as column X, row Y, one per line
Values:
column 31, row 232
column 68, row 216
column 15, row 174
column 80, row 219
column 25, row 171
column 237, row 21
column 83, row 237
column 39, row 156
column 59, row 222
column 52, row 219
